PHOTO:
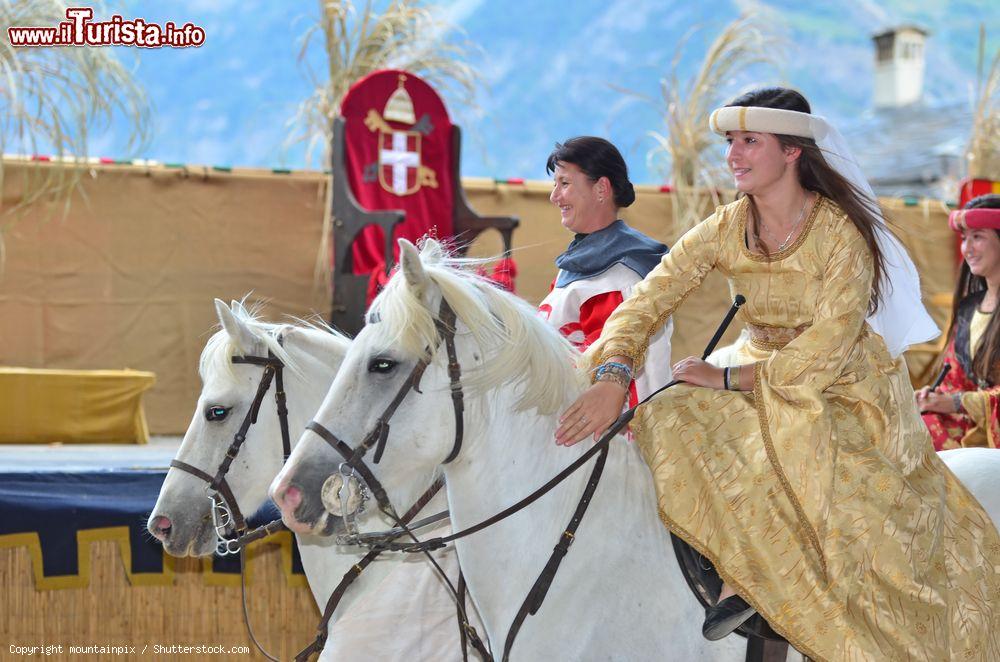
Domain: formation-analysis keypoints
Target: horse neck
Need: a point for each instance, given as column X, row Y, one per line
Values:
column 509, row 455
column 512, row 451
column 317, row 356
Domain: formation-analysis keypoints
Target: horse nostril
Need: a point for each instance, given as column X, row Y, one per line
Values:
column 292, row 497
column 160, row 527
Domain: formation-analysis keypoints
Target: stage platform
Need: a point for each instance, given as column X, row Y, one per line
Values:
column 78, row 565
column 154, row 456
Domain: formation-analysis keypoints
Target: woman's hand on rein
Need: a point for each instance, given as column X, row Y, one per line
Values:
column 592, row 413
column 938, row 403
column 697, row 372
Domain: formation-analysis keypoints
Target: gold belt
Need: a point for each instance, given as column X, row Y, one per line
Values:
column 773, row 337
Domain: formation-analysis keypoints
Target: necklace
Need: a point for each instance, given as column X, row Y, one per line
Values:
column 795, row 226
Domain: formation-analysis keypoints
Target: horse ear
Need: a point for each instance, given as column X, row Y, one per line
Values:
column 412, row 268
column 236, row 329
column 432, row 248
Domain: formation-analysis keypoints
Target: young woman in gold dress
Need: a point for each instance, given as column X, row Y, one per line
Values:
column 805, row 473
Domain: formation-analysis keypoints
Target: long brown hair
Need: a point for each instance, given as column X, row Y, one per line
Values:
column 816, row 175
column 987, row 353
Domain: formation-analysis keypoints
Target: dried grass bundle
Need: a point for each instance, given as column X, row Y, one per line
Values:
column 408, row 35
column 984, row 144
column 684, row 149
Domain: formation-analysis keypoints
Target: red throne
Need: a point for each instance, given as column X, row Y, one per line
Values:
column 395, row 174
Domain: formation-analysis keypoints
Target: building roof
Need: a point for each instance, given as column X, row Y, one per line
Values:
column 901, row 28
column 916, row 149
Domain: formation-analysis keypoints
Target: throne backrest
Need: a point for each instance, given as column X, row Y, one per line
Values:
column 398, row 156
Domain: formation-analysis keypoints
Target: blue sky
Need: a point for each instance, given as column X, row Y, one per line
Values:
column 552, row 70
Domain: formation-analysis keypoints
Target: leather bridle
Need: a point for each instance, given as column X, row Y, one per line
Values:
column 226, row 512
column 354, row 463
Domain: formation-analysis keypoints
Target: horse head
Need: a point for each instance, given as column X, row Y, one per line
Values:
column 409, row 397
column 239, row 399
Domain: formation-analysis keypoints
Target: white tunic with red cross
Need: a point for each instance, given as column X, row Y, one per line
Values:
column 580, row 309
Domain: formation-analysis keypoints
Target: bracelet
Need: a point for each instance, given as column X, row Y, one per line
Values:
column 731, row 378
column 734, row 383
column 616, row 377
column 614, row 368
column 956, row 401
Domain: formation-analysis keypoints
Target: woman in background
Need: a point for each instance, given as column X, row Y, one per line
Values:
column 965, row 409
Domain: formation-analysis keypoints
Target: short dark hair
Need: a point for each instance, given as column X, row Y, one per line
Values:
column 596, row 158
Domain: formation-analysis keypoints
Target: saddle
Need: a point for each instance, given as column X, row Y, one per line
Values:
column 763, row 643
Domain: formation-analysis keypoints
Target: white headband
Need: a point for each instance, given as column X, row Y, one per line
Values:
column 767, row 120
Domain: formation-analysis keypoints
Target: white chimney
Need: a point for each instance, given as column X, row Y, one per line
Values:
column 899, row 66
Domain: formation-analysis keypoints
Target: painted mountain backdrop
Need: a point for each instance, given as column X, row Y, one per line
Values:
column 553, row 70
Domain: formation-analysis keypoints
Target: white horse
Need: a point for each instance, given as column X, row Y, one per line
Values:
column 182, row 519
column 618, row 594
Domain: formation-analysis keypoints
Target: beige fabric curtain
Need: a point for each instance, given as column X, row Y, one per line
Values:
column 127, row 279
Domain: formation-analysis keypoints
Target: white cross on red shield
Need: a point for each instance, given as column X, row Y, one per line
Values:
column 399, row 161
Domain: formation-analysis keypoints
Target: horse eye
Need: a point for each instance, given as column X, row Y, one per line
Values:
column 216, row 413
column 381, row 365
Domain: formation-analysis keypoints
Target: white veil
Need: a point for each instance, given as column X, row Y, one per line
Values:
column 901, row 318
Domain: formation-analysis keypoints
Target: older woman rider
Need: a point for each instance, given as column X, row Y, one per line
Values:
column 805, row 473
column 606, row 258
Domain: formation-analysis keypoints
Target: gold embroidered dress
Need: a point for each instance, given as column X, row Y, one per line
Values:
column 819, row 496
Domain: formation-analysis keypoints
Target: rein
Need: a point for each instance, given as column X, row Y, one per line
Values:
column 378, row 542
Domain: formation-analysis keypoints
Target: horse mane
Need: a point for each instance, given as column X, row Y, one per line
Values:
column 517, row 346
column 216, row 358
